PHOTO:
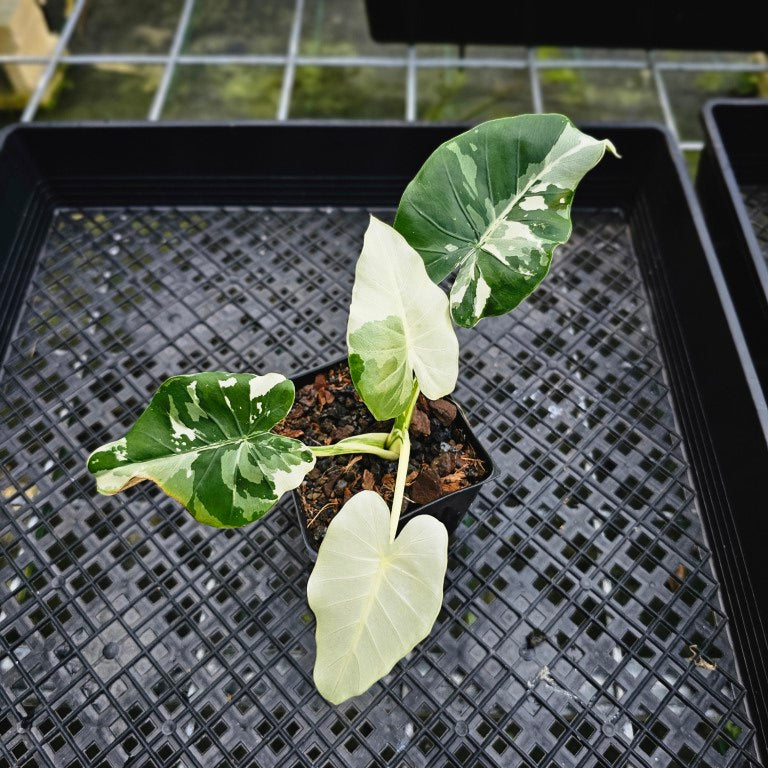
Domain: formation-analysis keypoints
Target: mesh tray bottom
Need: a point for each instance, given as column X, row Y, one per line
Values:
column 581, row 623
column 756, row 201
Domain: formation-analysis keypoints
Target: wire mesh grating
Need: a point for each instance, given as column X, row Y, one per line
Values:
column 756, row 202
column 581, row 623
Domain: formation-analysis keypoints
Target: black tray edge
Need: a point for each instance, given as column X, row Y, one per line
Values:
column 648, row 25
column 728, row 533
column 724, row 161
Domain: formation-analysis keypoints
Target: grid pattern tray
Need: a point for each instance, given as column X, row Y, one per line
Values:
column 755, row 198
column 583, row 623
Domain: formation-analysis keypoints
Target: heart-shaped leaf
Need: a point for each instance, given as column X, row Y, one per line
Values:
column 373, row 598
column 494, row 203
column 205, row 440
column 399, row 325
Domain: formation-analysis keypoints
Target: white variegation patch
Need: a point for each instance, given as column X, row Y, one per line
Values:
column 468, row 167
column 399, row 326
column 260, row 385
column 193, row 406
column 174, row 470
column 287, row 479
column 119, row 449
column 571, row 156
column 533, row 203
column 482, row 294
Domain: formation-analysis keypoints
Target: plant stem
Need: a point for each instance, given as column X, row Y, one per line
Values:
column 403, row 421
column 371, row 442
column 402, row 472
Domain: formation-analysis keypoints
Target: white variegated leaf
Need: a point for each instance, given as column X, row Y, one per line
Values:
column 399, row 325
column 493, row 204
column 373, row 599
column 205, row 440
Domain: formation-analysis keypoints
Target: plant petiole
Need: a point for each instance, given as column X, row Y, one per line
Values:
column 402, row 472
column 370, row 442
column 403, row 421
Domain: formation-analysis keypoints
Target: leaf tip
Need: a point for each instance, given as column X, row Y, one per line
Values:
column 609, row 145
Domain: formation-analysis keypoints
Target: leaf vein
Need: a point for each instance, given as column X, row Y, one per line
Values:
column 439, row 227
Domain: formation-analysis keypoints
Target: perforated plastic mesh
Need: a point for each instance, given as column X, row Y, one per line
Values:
column 581, row 623
column 756, row 201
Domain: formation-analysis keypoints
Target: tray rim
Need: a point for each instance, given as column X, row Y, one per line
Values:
column 718, row 144
column 720, row 191
column 407, row 22
column 758, row 718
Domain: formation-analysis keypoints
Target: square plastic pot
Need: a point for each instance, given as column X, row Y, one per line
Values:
column 449, row 509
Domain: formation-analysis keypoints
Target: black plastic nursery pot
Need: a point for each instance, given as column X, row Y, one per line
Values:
column 732, row 184
column 642, row 25
column 450, row 508
column 605, row 592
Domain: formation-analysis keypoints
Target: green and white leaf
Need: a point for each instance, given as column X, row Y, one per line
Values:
column 205, row 440
column 374, row 599
column 493, row 204
column 399, row 325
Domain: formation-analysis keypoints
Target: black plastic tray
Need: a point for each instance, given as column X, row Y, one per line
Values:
column 603, row 596
column 732, row 183
column 656, row 24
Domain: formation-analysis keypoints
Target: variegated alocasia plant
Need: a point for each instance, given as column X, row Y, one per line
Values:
column 490, row 205
column 375, row 594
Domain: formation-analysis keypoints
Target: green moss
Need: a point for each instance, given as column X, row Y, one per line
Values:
column 601, row 94
column 472, row 94
column 116, row 26
column 104, row 91
column 688, row 91
column 240, row 26
column 226, row 91
column 357, row 92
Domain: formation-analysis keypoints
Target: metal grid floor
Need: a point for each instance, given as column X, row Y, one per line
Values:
column 581, row 624
column 756, row 202
column 408, row 72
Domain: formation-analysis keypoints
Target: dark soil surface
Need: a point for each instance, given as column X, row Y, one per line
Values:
column 328, row 409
